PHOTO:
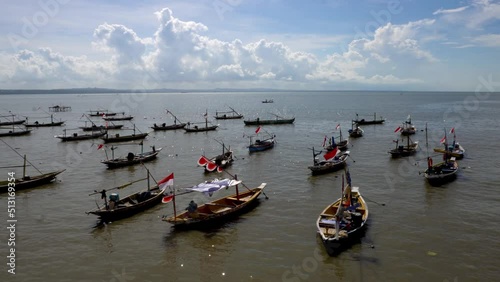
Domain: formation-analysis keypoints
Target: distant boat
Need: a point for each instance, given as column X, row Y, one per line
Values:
column 193, row 127
column 123, row 138
column 261, row 145
column 355, row 131
column 374, row 121
column 342, row 223
column 455, row 149
column 408, row 128
column 24, row 181
column 218, row 162
column 48, row 124
column 174, row 126
column 336, row 161
column 277, row 120
column 115, row 118
column 99, row 113
column 76, row 137
column 11, row 122
column 404, row 150
column 268, row 101
column 228, row 114
column 59, row 108
column 131, row 158
column 94, row 127
column 15, row 133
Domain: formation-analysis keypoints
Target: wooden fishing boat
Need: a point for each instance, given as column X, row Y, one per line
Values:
column 11, row 122
column 455, row 149
column 95, row 127
column 43, row 124
column 115, row 118
column 356, row 131
column 343, row 222
column 15, row 133
column 341, row 145
column 76, row 137
column 441, row 173
column 59, row 108
column 123, row 138
column 24, row 181
column 228, row 114
column 334, row 164
column 131, row 158
column 277, row 120
column 404, row 150
column 118, row 208
column 174, row 126
column 193, row 127
column 261, row 145
column 218, row 162
column 268, row 101
column 363, row 121
column 216, row 212
column 408, row 128
column 99, row 113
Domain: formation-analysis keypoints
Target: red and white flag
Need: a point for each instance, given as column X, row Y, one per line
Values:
column 202, row 161
column 452, row 130
column 443, row 140
column 257, row 130
column 337, row 127
column 167, row 181
column 167, row 199
column 331, row 154
column 100, row 146
column 398, row 129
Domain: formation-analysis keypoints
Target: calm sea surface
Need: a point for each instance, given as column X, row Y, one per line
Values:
column 422, row 233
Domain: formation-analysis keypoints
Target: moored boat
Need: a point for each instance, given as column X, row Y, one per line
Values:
column 174, row 126
column 228, row 114
column 131, row 158
column 218, row 211
column 334, row 161
column 76, row 137
column 343, row 221
column 363, row 121
column 277, row 120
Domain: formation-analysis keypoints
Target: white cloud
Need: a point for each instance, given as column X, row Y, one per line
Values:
column 488, row 40
column 450, row 11
column 179, row 54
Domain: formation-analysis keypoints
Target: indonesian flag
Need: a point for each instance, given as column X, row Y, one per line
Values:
column 337, row 127
column 331, row 154
column 103, row 115
column 443, row 140
column 167, row 181
column 100, row 146
column 167, row 199
column 452, row 130
column 398, row 129
column 324, row 141
column 257, row 130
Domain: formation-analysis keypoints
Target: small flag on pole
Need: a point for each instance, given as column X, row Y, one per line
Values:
column 397, row 129
column 257, row 130
column 443, row 140
column 337, row 127
column 167, row 181
column 100, row 146
column 452, row 130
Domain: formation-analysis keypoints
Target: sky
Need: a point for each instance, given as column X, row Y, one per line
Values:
column 399, row 45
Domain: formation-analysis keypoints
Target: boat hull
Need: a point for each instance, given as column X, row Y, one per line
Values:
column 80, row 137
column 59, row 123
column 441, row 174
column 169, row 127
column 124, row 138
column 269, row 121
column 121, row 162
column 34, row 181
column 101, row 127
column 248, row 201
column 265, row 145
column 201, row 129
column 15, row 133
column 125, row 209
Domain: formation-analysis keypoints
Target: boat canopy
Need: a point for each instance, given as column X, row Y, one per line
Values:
column 209, row 187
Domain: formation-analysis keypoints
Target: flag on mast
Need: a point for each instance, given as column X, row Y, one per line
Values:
column 257, row 130
column 167, row 181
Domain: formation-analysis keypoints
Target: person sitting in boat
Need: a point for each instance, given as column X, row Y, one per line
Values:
column 191, row 208
column 163, row 124
column 154, row 125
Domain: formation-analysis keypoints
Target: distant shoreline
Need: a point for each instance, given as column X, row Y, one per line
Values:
column 221, row 90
